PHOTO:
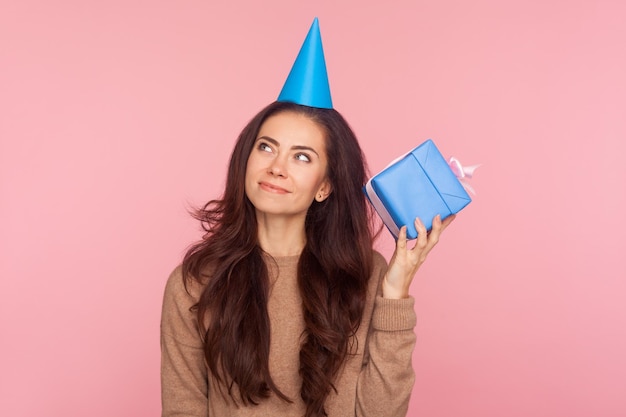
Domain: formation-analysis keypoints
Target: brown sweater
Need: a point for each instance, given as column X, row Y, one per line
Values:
column 376, row 382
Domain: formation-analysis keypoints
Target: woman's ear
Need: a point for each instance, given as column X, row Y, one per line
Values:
column 324, row 191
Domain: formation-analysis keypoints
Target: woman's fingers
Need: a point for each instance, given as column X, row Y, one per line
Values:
column 447, row 221
column 427, row 240
column 405, row 262
column 401, row 243
column 422, row 234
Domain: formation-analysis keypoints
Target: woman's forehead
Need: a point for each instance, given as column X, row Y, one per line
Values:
column 293, row 129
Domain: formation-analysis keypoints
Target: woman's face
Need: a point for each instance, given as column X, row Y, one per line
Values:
column 286, row 170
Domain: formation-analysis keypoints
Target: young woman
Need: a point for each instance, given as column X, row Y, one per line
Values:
column 283, row 308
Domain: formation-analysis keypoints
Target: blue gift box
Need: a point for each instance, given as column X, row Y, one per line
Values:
column 418, row 184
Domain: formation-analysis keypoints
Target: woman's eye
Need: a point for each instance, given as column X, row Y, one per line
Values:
column 303, row 157
column 265, row 147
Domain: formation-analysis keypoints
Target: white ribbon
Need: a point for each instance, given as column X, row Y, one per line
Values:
column 462, row 173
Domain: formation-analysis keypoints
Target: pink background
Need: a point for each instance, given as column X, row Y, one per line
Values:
column 116, row 116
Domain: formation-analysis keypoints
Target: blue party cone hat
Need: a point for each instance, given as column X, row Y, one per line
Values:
column 307, row 83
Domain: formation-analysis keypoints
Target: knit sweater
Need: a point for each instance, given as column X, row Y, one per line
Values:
column 376, row 381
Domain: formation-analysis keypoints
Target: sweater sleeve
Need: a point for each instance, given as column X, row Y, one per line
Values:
column 387, row 376
column 184, row 387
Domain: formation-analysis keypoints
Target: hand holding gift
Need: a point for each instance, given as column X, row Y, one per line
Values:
column 405, row 262
column 418, row 186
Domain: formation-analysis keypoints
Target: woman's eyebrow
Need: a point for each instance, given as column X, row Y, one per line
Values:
column 271, row 140
column 295, row 147
column 305, row 148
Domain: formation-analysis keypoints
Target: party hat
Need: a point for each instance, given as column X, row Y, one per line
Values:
column 307, row 83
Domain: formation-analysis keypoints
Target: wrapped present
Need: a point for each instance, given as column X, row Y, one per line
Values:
column 419, row 184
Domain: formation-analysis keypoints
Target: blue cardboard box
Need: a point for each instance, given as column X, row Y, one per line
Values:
column 418, row 184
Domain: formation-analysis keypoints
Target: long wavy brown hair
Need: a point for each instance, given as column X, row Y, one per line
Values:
column 333, row 272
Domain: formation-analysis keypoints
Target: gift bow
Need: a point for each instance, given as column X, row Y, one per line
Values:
column 462, row 173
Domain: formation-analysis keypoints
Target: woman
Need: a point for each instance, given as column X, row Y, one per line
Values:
column 284, row 309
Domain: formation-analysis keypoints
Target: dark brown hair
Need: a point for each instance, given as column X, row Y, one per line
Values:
column 333, row 271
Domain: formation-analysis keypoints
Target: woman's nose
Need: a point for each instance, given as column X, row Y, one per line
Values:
column 278, row 168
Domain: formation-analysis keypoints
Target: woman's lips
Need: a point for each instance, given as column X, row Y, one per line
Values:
column 272, row 188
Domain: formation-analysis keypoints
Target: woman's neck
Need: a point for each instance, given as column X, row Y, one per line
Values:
column 281, row 236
